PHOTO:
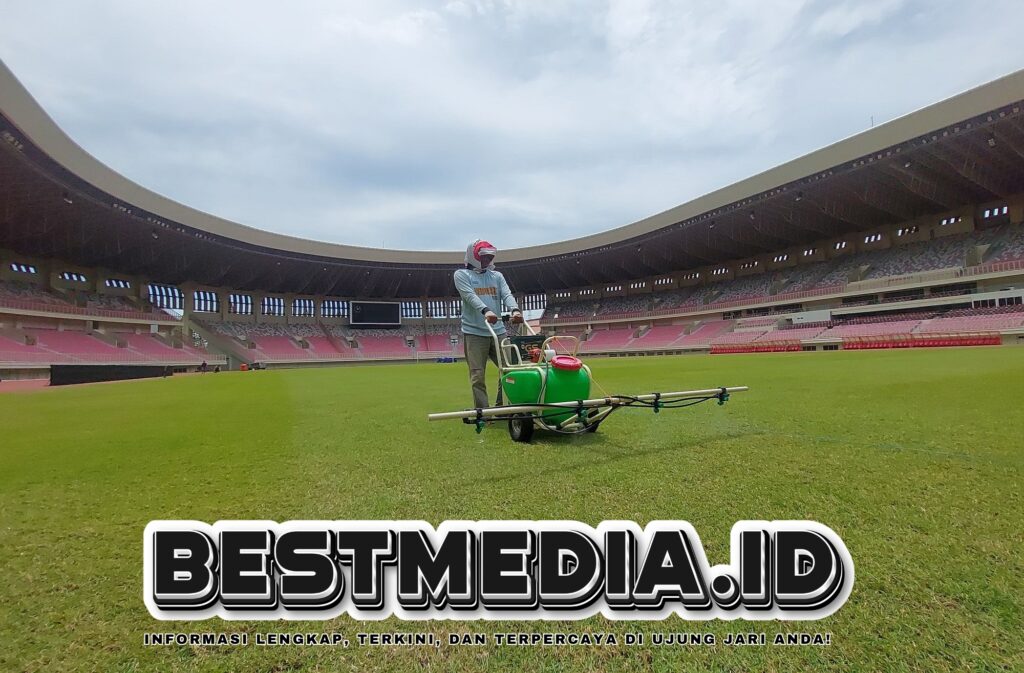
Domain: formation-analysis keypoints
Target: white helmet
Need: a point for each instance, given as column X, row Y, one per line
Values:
column 475, row 251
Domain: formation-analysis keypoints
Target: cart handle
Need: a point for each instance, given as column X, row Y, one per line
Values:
column 497, row 343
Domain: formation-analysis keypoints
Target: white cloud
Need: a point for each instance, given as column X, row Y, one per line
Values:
column 844, row 18
column 425, row 124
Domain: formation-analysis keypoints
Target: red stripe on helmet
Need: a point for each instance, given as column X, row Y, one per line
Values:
column 483, row 248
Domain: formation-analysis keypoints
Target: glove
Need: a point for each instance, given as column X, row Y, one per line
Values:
column 490, row 317
column 517, row 316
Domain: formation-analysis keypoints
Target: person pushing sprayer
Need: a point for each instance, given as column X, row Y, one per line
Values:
column 484, row 294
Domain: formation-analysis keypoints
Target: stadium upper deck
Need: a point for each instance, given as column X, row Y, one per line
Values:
column 60, row 203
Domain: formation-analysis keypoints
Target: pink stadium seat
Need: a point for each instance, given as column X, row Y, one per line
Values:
column 796, row 334
column 436, row 343
column 76, row 344
column 872, row 329
column 743, row 337
column 979, row 323
column 280, row 348
column 659, row 336
column 703, row 335
column 150, row 347
column 322, row 347
column 12, row 350
column 608, row 339
column 384, row 346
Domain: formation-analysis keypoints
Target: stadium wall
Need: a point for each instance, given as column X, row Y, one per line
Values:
column 64, row 375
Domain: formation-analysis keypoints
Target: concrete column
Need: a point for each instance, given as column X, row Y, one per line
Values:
column 257, row 307
column 1016, row 205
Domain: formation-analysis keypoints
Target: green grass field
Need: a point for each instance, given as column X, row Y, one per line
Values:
column 914, row 457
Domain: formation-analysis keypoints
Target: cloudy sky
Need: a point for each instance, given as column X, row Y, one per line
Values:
column 422, row 125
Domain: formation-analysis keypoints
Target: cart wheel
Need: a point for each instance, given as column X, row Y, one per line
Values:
column 520, row 428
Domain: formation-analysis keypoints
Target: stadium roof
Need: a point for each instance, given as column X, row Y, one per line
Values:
column 57, row 201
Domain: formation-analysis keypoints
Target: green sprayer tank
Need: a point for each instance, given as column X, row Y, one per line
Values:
column 564, row 380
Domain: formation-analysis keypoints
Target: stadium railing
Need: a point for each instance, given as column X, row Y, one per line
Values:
column 67, row 309
column 993, row 267
column 99, row 358
column 926, row 276
column 354, row 356
column 26, row 358
column 922, row 340
column 697, row 308
column 755, row 347
column 905, row 279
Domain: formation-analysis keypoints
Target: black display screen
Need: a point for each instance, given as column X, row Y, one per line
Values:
column 375, row 313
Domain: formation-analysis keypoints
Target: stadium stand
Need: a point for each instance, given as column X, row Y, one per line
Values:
column 438, row 339
column 1009, row 245
column 327, row 348
column 570, row 333
column 575, row 309
column 40, row 342
column 279, row 342
column 14, row 350
column 624, row 305
column 383, row 343
column 748, row 287
column 765, row 321
column 943, row 253
column 15, row 291
column 280, row 348
column 303, row 330
column 109, row 303
column 948, row 252
column 31, row 297
column 339, row 331
column 47, row 344
column 608, row 340
column 994, row 319
column 152, row 347
column 659, row 336
column 806, row 276
column 276, row 342
column 743, row 337
column 833, row 273
column 77, row 344
column 674, row 299
column 803, row 325
column 794, row 333
column 1000, row 244
column 704, row 333
column 819, row 278
column 885, row 317
column 897, row 330
column 871, row 329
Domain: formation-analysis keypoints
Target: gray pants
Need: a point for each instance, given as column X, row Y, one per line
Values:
column 478, row 350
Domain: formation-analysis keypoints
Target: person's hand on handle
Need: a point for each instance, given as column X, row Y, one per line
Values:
column 517, row 316
column 491, row 317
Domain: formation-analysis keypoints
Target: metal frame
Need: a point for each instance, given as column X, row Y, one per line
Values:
column 578, row 422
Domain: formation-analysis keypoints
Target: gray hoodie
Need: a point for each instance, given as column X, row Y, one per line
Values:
column 483, row 291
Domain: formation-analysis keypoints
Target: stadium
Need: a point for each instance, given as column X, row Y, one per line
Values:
column 905, row 235
column 905, row 240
